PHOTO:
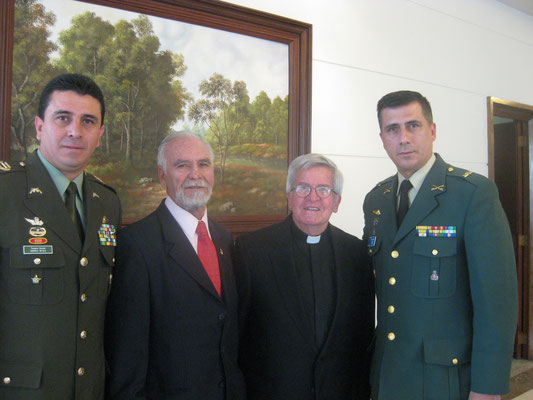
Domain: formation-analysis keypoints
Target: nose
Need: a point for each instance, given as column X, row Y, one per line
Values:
column 74, row 128
column 194, row 172
column 312, row 195
column 405, row 135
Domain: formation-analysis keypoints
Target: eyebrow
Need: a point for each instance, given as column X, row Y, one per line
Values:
column 63, row 112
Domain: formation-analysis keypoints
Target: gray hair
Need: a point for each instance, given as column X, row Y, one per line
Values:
column 161, row 154
column 314, row 160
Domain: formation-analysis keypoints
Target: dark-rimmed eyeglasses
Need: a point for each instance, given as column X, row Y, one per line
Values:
column 321, row 191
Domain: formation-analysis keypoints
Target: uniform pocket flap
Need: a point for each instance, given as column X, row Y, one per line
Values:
column 445, row 352
column 18, row 374
column 109, row 254
column 23, row 257
column 435, row 246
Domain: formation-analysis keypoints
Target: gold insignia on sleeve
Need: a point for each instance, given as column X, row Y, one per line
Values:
column 377, row 212
column 95, row 195
column 4, row 166
column 36, row 190
column 468, row 173
column 440, row 187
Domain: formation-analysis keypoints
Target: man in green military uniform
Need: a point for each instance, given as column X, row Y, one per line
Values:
column 57, row 245
column 445, row 270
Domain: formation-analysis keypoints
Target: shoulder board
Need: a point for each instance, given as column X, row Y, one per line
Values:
column 465, row 174
column 384, row 181
column 99, row 181
column 12, row 166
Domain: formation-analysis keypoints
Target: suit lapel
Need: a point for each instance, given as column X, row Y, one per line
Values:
column 47, row 204
column 94, row 211
column 426, row 200
column 181, row 251
column 384, row 215
column 284, row 270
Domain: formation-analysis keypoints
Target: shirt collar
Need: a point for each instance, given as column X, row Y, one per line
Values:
column 185, row 219
column 418, row 177
column 61, row 181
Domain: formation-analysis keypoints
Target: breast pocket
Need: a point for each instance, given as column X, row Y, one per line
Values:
column 35, row 279
column 434, row 267
column 105, row 274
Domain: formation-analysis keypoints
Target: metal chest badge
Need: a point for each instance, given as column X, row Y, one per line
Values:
column 107, row 234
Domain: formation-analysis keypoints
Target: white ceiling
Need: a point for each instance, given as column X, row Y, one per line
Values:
column 522, row 5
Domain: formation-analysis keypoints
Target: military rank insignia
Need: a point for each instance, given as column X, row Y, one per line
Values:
column 108, row 235
column 436, row 231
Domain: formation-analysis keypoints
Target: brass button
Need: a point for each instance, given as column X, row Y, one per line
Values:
column 110, row 278
column 455, row 361
column 22, row 164
column 374, row 272
column 7, row 380
column 83, row 334
column 83, row 297
column 390, row 309
column 113, row 260
column 392, row 281
column 391, row 336
column 395, row 254
column 450, row 169
column 84, row 262
column 369, row 251
column 435, row 252
column 81, row 371
column 37, row 261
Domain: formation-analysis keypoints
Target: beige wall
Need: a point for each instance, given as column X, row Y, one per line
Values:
column 456, row 52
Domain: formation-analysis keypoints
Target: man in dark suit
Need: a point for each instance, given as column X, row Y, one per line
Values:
column 445, row 271
column 56, row 258
column 306, row 297
column 172, row 318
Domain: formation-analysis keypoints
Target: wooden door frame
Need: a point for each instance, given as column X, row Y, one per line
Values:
column 521, row 112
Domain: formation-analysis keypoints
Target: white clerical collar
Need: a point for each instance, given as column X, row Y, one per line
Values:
column 186, row 220
column 313, row 239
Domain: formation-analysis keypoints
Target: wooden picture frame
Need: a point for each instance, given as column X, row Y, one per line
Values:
column 213, row 14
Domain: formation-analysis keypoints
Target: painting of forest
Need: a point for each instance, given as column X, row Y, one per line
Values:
column 160, row 76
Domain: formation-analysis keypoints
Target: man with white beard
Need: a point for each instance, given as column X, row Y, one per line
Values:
column 172, row 314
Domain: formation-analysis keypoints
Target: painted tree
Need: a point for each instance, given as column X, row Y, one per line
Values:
column 31, row 68
column 224, row 109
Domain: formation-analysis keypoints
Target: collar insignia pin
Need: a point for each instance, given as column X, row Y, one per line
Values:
column 440, row 187
column 36, row 190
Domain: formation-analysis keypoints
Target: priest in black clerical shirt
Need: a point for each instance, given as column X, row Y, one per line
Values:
column 306, row 297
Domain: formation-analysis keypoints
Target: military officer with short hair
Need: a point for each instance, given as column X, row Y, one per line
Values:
column 57, row 249
column 445, row 270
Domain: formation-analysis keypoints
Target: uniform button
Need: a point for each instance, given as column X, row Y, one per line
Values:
column 390, row 309
column 391, row 336
column 83, row 334
column 110, row 278
column 81, row 371
column 221, row 316
column 37, row 261
column 455, row 361
column 83, row 297
column 435, row 252
column 113, row 260
column 84, row 262
column 374, row 273
column 7, row 380
column 392, row 281
column 395, row 254
column 222, row 384
column 369, row 251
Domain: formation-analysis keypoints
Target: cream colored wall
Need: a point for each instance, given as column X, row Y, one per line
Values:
column 455, row 52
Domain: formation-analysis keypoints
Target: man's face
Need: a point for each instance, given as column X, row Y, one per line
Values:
column 70, row 131
column 189, row 175
column 311, row 214
column 407, row 137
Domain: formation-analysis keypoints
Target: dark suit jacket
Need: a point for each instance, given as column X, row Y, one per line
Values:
column 169, row 335
column 455, row 297
column 278, row 354
column 53, row 295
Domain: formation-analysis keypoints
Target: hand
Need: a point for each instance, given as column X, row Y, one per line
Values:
column 480, row 396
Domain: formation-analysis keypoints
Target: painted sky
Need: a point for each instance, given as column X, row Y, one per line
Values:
column 262, row 64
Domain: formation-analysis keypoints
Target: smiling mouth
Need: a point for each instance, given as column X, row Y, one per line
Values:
column 312, row 208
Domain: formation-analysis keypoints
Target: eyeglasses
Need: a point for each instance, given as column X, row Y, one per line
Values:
column 321, row 191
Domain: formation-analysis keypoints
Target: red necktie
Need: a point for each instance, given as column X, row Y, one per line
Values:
column 208, row 255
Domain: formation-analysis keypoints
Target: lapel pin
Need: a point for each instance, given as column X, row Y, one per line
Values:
column 104, row 220
column 221, row 252
column 440, row 187
column 387, row 191
column 377, row 212
column 36, row 190
column 466, row 174
column 36, row 279
column 95, row 195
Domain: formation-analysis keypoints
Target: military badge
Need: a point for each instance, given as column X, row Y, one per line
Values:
column 36, row 190
column 436, row 231
column 4, row 166
column 108, row 235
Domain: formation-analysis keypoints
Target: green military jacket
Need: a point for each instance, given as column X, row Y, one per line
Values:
column 446, row 288
column 53, row 288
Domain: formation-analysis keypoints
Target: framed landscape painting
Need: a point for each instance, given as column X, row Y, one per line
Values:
column 236, row 76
